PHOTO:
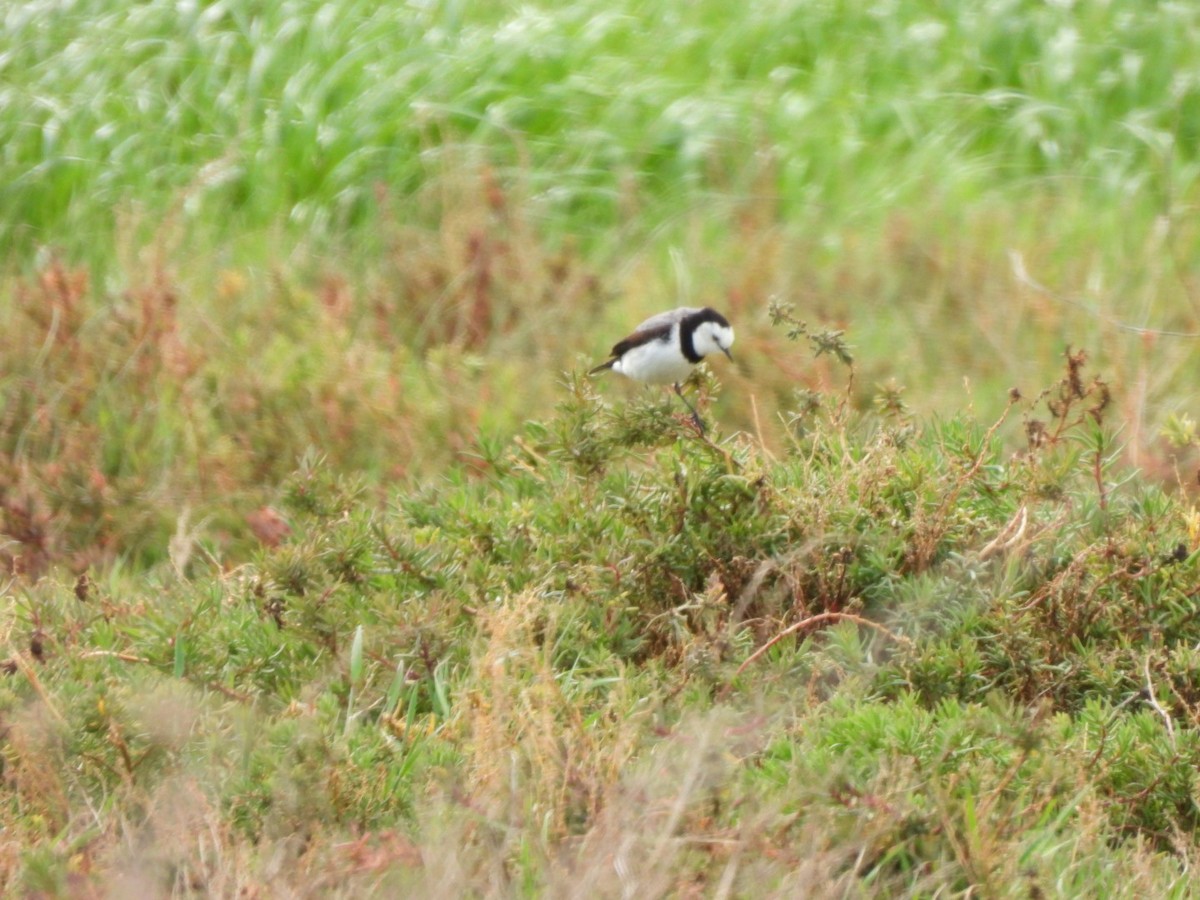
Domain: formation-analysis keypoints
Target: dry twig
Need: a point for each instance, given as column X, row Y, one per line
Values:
column 814, row 620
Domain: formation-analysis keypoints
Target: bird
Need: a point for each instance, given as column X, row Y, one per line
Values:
column 664, row 348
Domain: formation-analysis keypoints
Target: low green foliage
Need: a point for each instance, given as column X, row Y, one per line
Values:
column 552, row 659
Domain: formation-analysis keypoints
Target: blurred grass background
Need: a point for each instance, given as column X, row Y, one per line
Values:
column 299, row 112
column 382, row 231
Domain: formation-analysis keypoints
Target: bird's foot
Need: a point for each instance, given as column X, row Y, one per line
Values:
column 696, row 420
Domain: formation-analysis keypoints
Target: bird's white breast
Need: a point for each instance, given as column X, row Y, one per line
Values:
column 655, row 362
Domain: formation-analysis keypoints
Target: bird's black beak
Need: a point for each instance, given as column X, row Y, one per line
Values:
column 725, row 350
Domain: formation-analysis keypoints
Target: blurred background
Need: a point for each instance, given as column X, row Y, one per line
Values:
column 232, row 233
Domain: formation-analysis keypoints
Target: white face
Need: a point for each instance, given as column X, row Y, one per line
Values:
column 711, row 337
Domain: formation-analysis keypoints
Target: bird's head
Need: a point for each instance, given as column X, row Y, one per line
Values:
column 713, row 333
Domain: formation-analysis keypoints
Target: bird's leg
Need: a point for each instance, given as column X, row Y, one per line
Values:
column 695, row 415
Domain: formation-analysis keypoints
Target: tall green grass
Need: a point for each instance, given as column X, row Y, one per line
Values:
column 239, row 117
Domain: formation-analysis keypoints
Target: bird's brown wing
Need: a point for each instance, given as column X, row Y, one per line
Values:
column 655, row 328
column 643, row 335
